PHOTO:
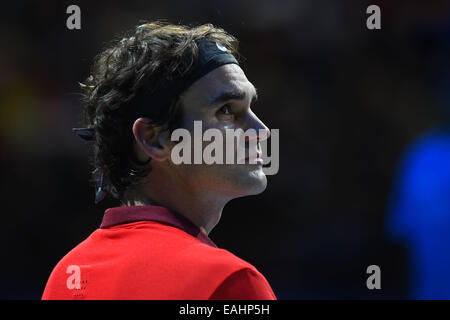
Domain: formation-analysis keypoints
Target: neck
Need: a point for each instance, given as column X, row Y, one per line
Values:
column 201, row 207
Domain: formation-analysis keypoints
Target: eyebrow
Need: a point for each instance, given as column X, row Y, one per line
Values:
column 225, row 96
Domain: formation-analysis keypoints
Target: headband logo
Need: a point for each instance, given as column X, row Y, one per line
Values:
column 221, row 48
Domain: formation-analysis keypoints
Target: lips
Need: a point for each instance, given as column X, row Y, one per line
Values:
column 255, row 157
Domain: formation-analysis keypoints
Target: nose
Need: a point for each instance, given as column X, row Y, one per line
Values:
column 262, row 131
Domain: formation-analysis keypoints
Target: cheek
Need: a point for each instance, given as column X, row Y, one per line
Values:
column 207, row 121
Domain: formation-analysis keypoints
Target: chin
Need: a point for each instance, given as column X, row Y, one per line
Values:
column 250, row 183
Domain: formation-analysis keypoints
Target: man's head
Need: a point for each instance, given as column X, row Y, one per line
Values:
column 133, row 107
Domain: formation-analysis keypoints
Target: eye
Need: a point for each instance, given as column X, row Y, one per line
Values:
column 225, row 113
column 226, row 110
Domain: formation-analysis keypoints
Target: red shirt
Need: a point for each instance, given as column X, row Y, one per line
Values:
column 150, row 252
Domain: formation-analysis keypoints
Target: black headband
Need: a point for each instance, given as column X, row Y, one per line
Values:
column 211, row 55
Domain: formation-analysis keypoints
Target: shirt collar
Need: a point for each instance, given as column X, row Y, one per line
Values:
column 127, row 214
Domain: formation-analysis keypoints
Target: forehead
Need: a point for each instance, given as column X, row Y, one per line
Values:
column 227, row 77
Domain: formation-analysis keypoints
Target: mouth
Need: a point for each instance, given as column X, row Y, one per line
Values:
column 255, row 158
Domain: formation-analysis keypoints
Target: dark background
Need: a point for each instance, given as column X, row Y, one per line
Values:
column 347, row 101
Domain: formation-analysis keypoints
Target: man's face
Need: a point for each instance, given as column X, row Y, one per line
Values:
column 222, row 99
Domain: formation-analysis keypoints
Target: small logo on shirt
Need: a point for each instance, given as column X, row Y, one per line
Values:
column 74, row 281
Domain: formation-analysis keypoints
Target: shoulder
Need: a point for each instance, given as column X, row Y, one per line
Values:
column 244, row 284
column 231, row 277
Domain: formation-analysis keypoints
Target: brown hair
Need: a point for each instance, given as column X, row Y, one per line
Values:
column 150, row 55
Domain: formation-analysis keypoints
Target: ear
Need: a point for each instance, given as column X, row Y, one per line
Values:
column 152, row 141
